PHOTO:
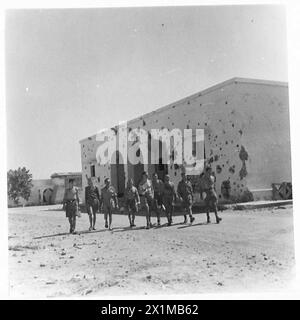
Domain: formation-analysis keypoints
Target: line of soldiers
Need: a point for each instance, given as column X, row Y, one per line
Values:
column 152, row 195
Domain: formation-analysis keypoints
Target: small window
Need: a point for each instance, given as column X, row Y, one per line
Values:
column 93, row 174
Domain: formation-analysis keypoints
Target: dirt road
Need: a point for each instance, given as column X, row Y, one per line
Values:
column 248, row 251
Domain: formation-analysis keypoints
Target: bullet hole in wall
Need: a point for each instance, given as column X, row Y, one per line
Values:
column 243, row 154
column 231, row 170
column 232, row 125
column 218, row 169
column 211, row 160
column 240, row 132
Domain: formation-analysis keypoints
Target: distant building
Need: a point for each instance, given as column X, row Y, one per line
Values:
column 50, row 191
column 246, row 139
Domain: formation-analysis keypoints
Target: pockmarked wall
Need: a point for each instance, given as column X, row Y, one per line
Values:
column 246, row 138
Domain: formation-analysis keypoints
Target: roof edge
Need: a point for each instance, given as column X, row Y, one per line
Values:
column 203, row 92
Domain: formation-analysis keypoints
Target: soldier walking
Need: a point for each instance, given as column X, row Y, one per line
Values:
column 158, row 186
column 169, row 198
column 92, row 200
column 109, row 202
column 211, row 199
column 146, row 194
column 132, row 200
column 71, row 204
column 185, row 192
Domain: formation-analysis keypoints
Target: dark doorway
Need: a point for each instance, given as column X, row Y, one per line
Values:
column 138, row 169
column 118, row 175
column 47, row 196
column 161, row 170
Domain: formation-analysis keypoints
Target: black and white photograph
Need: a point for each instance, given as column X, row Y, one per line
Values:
column 148, row 151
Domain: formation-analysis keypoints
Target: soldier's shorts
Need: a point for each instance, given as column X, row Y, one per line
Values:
column 71, row 208
column 146, row 201
column 211, row 198
column 157, row 202
column 131, row 205
column 168, row 203
column 93, row 206
column 187, row 202
column 109, row 207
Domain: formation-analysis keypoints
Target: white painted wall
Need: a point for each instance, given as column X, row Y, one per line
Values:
column 236, row 115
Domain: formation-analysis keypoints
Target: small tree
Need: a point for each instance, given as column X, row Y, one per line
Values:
column 19, row 184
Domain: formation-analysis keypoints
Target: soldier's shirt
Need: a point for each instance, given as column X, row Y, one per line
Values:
column 185, row 189
column 146, row 189
column 169, row 190
column 131, row 193
column 91, row 194
column 71, row 194
column 107, row 195
column 208, row 182
column 158, row 186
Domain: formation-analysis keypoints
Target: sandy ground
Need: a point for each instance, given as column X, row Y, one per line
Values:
column 249, row 251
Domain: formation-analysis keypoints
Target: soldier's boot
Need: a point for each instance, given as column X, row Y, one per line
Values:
column 192, row 219
column 158, row 219
column 185, row 219
column 208, row 217
column 169, row 219
column 110, row 222
column 74, row 225
column 218, row 219
column 132, row 220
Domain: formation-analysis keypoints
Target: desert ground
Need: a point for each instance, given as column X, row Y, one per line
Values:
column 249, row 251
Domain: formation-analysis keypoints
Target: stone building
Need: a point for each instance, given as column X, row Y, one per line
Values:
column 246, row 139
column 50, row 191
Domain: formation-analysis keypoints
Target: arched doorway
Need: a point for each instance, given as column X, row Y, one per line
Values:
column 47, row 196
column 117, row 173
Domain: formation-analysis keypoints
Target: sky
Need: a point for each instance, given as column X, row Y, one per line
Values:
column 72, row 72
